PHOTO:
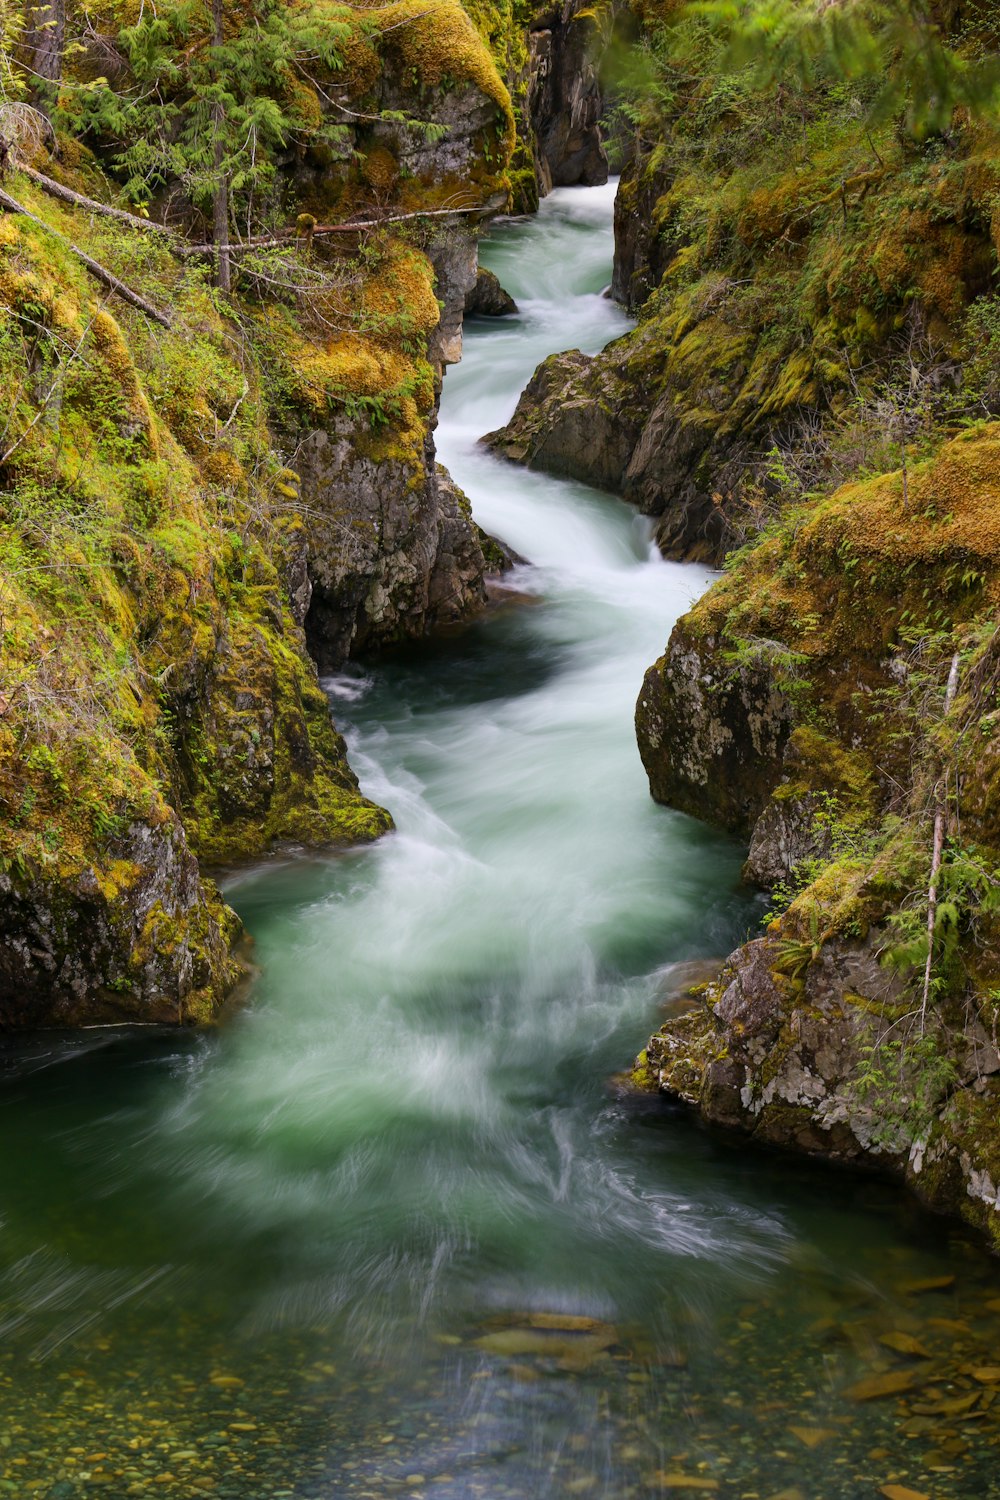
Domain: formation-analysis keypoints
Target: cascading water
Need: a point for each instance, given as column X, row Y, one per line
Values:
column 389, row 1232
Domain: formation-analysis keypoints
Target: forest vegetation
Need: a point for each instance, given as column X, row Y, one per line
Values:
column 818, row 326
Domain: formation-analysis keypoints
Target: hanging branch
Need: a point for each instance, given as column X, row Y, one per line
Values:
column 103, row 275
column 937, row 849
column 182, row 249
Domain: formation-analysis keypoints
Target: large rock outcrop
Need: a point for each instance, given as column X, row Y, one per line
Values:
column 834, row 698
column 775, row 687
column 566, row 44
column 597, row 419
column 393, row 549
column 133, row 933
column 550, row 59
column 784, row 1047
column 253, row 471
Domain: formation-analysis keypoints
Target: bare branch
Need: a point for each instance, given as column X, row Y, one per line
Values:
column 57, row 190
column 101, row 273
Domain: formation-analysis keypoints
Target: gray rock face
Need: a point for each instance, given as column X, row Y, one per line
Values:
column 145, row 938
column 565, row 424
column 711, row 734
column 565, row 106
column 598, row 419
column 487, row 299
column 784, row 836
column 453, row 256
column 777, row 1049
column 393, row 551
column 640, row 255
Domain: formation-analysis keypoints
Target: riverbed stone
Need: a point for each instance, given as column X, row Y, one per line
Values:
column 487, row 298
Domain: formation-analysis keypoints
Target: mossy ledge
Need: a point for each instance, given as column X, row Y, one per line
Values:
column 168, row 538
column 810, row 395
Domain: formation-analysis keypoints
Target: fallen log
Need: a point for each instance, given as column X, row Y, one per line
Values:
column 100, row 273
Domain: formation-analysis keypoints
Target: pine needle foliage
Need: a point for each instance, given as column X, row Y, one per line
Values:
column 195, row 108
column 920, row 76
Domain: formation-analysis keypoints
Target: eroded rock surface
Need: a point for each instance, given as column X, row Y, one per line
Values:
column 712, row 734
column 598, row 419
column 780, row 1045
column 139, row 937
column 565, row 106
column 487, row 299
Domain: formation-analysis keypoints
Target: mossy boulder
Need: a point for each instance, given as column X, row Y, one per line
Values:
column 777, row 1048
column 764, row 695
column 158, row 705
column 564, row 424
column 487, row 299
column 801, row 702
column 129, row 931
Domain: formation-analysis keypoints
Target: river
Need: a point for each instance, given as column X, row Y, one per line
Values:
column 391, row 1230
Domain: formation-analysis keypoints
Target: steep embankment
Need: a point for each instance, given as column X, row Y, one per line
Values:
column 814, row 375
column 805, row 703
column 188, row 496
column 550, row 59
column 786, row 262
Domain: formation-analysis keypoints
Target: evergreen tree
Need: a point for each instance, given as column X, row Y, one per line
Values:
column 211, row 102
column 898, row 46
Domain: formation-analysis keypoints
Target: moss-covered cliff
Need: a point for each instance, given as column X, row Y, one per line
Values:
column 190, row 492
column 790, row 257
column 819, row 357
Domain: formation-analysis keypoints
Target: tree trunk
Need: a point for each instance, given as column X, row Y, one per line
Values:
column 46, row 36
column 220, row 196
column 937, row 849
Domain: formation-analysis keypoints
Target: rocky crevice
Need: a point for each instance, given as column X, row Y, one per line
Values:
column 565, row 103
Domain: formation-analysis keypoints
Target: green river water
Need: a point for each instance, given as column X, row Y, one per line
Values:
column 390, row 1231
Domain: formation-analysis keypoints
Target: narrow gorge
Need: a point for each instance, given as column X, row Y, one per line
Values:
column 385, row 515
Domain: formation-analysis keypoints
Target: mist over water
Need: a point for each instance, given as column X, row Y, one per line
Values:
column 350, row 1244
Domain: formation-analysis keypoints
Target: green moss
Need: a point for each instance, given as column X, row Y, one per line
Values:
column 150, row 649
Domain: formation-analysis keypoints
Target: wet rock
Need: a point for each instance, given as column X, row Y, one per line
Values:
column 785, row 835
column 641, row 255
column 672, row 1479
column 564, row 101
column 712, row 734
column 393, row 549
column 878, row 1387
column 905, row 1343
column 606, row 421
column 765, row 1057
column 564, row 426
column 813, row 1437
column 487, row 299
column 141, row 938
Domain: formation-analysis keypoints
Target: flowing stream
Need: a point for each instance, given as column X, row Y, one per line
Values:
column 390, row 1230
